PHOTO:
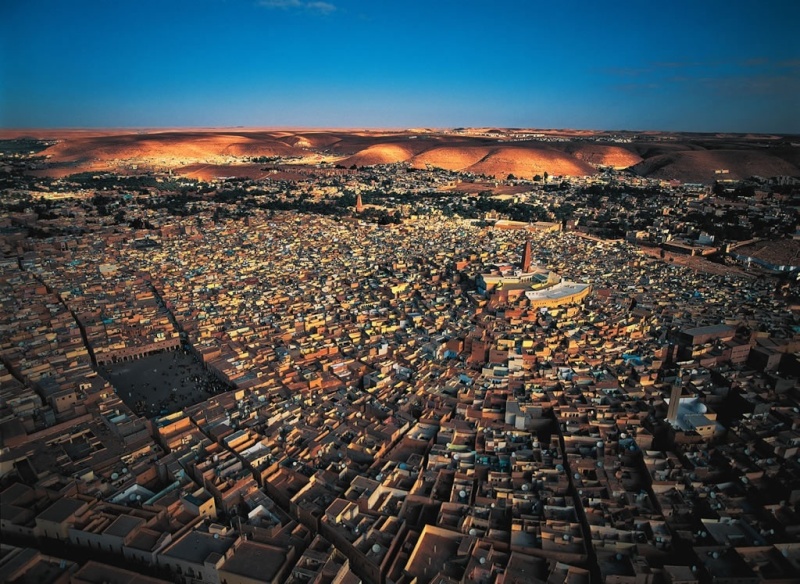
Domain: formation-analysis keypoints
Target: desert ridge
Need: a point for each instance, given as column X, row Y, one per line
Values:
column 490, row 152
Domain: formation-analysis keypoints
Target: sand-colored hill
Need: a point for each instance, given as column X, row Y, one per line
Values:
column 498, row 161
column 314, row 140
column 686, row 157
column 528, row 162
column 260, row 148
column 602, row 154
column 167, row 147
column 354, row 142
column 701, row 165
column 650, row 149
column 63, row 133
column 388, row 153
column 787, row 153
column 450, row 157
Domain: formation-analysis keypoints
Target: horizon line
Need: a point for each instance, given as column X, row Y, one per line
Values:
column 366, row 128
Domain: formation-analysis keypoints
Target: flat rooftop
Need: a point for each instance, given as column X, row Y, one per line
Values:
column 435, row 548
column 97, row 573
column 61, row 510
column 712, row 329
column 123, row 525
column 256, row 560
column 196, row 546
column 560, row 290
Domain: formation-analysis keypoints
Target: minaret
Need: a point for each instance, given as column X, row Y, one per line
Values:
column 675, row 398
column 526, row 257
column 359, row 204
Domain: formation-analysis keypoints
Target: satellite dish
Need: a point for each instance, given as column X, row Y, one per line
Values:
column 525, row 487
column 132, row 497
column 114, row 476
column 376, row 548
column 599, row 444
column 125, row 470
column 560, row 468
column 462, row 494
column 473, row 531
column 216, row 536
column 482, row 560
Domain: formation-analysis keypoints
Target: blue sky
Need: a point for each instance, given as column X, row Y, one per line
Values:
column 703, row 65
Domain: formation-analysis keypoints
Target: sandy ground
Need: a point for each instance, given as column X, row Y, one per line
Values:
column 689, row 158
column 162, row 383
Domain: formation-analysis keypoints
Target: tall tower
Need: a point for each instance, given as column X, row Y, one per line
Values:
column 675, row 398
column 359, row 204
column 526, row 257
